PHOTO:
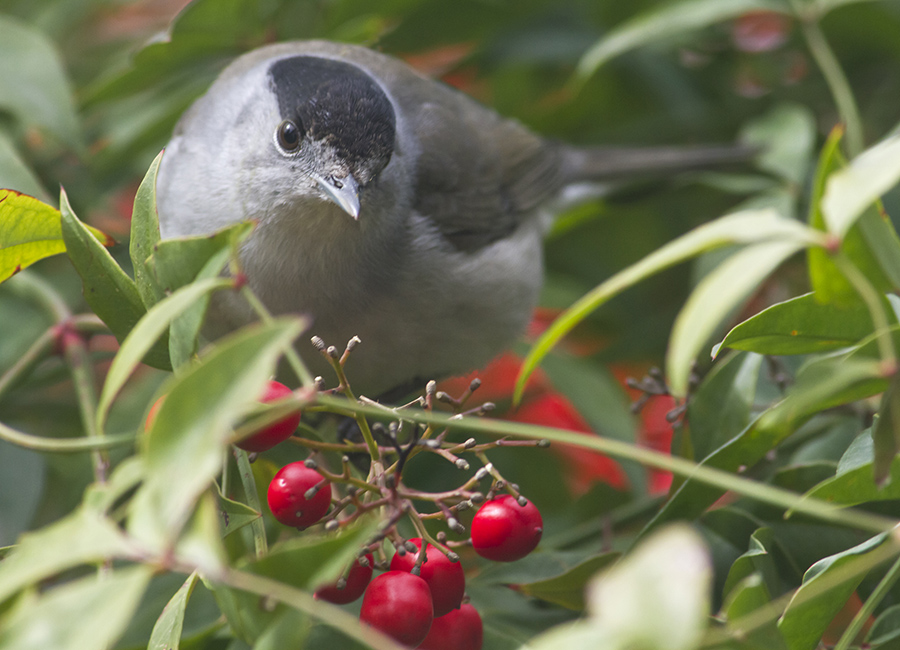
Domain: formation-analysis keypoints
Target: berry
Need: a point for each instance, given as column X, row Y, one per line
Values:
column 445, row 578
column 287, row 496
column 278, row 431
column 398, row 604
column 461, row 629
column 504, row 531
column 263, row 439
column 357, row 581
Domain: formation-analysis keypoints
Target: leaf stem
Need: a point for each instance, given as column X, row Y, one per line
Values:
column 710, row 475
column 37, row 352
column 884, row 586
column 249, row 483
column 834, row 76
column 42, row 349
column 82, row 370
column 299, row 368
column 874, row 304
column 302, row 601
column 64, row 445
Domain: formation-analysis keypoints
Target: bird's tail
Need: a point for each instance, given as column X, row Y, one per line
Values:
column 613, row 163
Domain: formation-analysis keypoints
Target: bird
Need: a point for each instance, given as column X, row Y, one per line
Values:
column 387, row 206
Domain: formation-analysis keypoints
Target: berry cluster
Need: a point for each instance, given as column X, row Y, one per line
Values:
column 419, row 597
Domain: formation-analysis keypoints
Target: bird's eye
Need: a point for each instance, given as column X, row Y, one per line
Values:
column 288, row 136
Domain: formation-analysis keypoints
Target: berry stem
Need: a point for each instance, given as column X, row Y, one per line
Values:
column 361, row 422
column 81, row 368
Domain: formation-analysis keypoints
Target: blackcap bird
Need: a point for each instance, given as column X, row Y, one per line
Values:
column 388, row 206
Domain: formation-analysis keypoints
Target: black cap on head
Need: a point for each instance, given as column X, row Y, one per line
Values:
column 339, row 104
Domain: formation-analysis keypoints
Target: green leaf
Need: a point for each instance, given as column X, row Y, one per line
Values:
column 302, row 562
column 881, row 249
column 86, row 614
column 786, row 137
column 886, row 433
column 184, row 447
column 83, row 537
column 107, row 289
column 309, row 562
column 540, row 565
column 720, row 408
column 291, row 629
column 145, row 235
column 821, row 385
column 747, row 595
column 850, row 191
column 886, row 628
column 871, row 243
column 144, row 336
column 818, row 386
column 664, row 22
column 184, row 332
column 177, row 262
column 757, row 560
column 30, row 231
column 803, row 325
column 714, row 298
column 34, row 86
column 812, row 606
column 166, row 633
column 568, row 589
column 201, row 543
column 251, row 494
column 201, row 38
column 235, row 515
column 739, row 228
column 668, row 576
column 854, row 482
column 828, row 283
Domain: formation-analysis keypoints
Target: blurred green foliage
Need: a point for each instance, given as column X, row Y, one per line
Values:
column 90, row 91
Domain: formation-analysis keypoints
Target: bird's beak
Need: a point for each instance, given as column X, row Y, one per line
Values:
column 343, row 191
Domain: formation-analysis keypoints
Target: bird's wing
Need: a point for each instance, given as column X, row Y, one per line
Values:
column 477, row 174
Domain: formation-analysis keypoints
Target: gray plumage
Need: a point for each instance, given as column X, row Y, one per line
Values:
column 442, row 267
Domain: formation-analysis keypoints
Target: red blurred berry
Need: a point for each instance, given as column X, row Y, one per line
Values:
column 357, row 581
column 461, row 629
column 761, row 31
column 287, row 496
column 276, row 432
column 398, row 604
column 656, row 433
column 445, row 578
column 504, row 531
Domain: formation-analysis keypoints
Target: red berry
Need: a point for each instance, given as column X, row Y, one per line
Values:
column 357, row 581
column 504, row 531
column 287, row 496
column 399, row 605
column 445, row 578
column 461, row 629
column 276, row 432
